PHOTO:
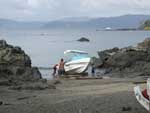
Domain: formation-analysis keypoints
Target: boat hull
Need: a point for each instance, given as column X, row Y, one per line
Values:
column 77, row 66
column 141, row 99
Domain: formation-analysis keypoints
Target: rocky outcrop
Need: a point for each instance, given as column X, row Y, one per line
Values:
column 14, row 62
column 127, row 60
column 103, row 57
column 145, row 25
column 145, row 45
column 15, row 67
column 83, row 39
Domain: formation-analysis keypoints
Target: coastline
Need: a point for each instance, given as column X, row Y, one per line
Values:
column 29, row 93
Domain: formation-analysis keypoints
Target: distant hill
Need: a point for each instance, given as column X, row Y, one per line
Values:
column 118, row 22
column 4, row 22
column 12, row 24
column 126, row 21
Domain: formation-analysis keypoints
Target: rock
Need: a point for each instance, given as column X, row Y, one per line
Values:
column 126, row 60
column 83, row 39
column 145, row 45
column 1, row 103
column 26, row 97
column 5, row 82
column 43, row 80
column 16, row 70
column 56, row 82
column 36, row 73
column 113, row 50
column 103, row 57
column 126, row 108
column 96, row 62
column 3, row 44
column 14, row 56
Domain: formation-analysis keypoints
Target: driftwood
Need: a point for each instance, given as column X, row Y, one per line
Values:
column 23, row 98
column 90, row 78
column 139, row 82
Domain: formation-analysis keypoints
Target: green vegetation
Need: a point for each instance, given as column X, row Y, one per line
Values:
column 145, row 25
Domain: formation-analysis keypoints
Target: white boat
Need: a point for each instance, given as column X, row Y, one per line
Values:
column 140, row 97
column 78, row 61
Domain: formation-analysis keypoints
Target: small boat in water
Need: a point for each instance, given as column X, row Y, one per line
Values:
column 143, row 97
column 77, row 63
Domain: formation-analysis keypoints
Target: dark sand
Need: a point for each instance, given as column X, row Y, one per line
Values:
column 74, row 96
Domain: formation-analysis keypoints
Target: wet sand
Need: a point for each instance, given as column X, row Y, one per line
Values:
column 74, row 96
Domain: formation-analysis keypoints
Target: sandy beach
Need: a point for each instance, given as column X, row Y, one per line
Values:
column 112, row 95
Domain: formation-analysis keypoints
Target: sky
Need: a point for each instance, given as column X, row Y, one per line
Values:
column 46, row 10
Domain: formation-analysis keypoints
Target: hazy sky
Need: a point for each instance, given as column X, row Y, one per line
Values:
column 55, row 9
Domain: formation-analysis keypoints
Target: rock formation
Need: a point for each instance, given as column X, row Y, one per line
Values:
column 15, row 67
column 127, row 60
column 83, row 39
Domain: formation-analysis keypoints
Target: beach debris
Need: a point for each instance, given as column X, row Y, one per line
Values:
column 88, row 78
column 126, row 108
column 1, row 102
column 83, row 39
column 23, row 98
column 139, row 82
column 56, row 82
column 7, row 104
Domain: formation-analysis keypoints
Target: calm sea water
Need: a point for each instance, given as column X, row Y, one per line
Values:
column 46, row 47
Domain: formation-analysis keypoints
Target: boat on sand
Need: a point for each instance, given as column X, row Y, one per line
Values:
column 77, row 61
column 143, row 97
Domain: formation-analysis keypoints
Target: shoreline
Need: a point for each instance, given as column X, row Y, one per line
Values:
column 22, row 89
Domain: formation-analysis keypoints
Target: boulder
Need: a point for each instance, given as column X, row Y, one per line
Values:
column 83, row 39
column 1, row 103
column 103, row 56
column 3, row 44
column 96, row 62
column 126, row 109
column 145, row 45
column 16, row 69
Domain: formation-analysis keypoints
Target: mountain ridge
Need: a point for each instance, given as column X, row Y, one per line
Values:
column 123, row 21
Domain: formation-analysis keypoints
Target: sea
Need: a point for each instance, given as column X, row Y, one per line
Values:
column 46, row 46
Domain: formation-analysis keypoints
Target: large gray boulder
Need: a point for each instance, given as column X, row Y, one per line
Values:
column 16, row 70
column 15, row 65
column 15, row 56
